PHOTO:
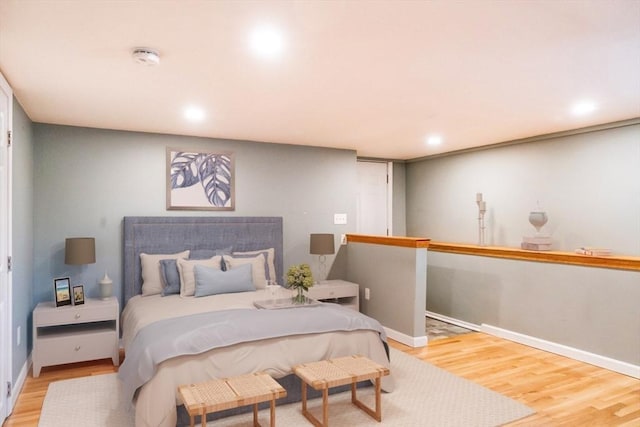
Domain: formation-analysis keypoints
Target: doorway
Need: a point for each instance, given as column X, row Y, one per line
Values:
column 374, row 200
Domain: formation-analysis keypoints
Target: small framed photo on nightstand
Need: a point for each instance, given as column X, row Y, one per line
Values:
column 62, row 290
column 78, row 295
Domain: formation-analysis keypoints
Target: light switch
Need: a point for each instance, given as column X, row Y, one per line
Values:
column 340, row 219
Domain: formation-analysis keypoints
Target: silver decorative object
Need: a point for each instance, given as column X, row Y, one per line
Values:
column 482, row 208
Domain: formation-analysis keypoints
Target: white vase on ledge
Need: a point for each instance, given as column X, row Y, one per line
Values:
column 538, row 218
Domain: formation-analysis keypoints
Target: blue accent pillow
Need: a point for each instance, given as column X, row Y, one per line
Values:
column 170, row 277
column 211, row 281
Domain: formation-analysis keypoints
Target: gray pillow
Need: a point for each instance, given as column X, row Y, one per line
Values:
column 210, row 253
column 170, row 277
column 211, row 281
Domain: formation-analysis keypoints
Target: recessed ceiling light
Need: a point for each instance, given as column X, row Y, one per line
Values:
column 583, row 108
column 194, row 114
column 266, row 42
column 434, row 140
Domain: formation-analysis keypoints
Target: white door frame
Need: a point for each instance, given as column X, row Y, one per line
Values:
column 6, row 355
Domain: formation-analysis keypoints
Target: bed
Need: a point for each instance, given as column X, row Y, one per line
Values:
column 197, row 334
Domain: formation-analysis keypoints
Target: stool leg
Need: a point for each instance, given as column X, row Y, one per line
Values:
column 378, row 400
column 273, row 413
column 255, row 415
column 325, row 407
column 304, row 396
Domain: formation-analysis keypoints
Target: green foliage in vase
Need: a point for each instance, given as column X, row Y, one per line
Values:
column 299, row 276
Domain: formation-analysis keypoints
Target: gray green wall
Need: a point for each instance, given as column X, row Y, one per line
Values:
column 22, row 233
column 589, row 184
column 86, row 180
column 397, row 279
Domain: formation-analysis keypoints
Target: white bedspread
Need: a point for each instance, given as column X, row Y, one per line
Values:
column 157, row 400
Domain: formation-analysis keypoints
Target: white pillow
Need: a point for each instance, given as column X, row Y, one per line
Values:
column 187, row 276
column 150, row 263
column 270, row 261
column 258, row 276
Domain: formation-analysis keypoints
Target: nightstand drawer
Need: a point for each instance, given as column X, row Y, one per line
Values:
column 329, row 291
column 77, row 347
column 336, row 291
column 79, row 314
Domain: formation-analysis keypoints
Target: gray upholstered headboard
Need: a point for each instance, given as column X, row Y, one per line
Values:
column 174, row 234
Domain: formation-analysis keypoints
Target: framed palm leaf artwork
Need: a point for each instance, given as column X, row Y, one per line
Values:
column 199, row 180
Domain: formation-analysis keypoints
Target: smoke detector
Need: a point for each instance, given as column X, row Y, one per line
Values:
column 146, row 56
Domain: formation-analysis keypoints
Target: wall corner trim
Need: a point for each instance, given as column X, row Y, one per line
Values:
column 406, row 339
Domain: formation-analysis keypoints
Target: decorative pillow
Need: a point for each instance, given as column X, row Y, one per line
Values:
column 187, row 278
column 258, row 274
column 269, row 258
column 170, row 276
column 211, row 281
column 150, row 263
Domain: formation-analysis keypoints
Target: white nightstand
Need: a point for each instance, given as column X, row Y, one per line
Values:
column 338, row 291
column 77, row 333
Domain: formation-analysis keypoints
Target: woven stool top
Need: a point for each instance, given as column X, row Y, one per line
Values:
column 220, row 394
column 339, row 371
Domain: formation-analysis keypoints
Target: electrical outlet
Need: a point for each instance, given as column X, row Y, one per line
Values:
column 18, row 335
column 367, row 293
column 343, row 239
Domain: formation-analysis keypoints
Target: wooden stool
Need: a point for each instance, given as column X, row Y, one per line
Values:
column 227, row 393
column 335, row 372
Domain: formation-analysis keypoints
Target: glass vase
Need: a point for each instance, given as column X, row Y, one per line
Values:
column 299, row 297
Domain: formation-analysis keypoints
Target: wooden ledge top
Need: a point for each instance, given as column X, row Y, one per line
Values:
column 405, row 242
column 614, row 261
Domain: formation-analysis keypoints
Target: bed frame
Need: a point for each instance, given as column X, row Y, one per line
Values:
column 148, row 234
column 174, row 234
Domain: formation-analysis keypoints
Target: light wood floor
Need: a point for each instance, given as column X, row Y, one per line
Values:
column 562, row 391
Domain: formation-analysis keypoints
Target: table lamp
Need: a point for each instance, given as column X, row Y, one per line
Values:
column 321, row 244
column 79, row 250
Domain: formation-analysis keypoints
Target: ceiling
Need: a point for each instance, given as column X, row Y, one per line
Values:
column 379, row 77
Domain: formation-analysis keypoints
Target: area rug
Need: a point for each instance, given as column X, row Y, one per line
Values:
column 424, row 396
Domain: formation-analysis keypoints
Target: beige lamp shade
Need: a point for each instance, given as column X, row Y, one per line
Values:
column 80, row 250
column 321, row 244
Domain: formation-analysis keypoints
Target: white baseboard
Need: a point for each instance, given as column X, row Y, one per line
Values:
column 16, row 388
column 563, row 350
column 457, row 322
column 406, row 339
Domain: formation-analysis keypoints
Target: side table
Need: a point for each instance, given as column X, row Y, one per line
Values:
column 77, row 333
